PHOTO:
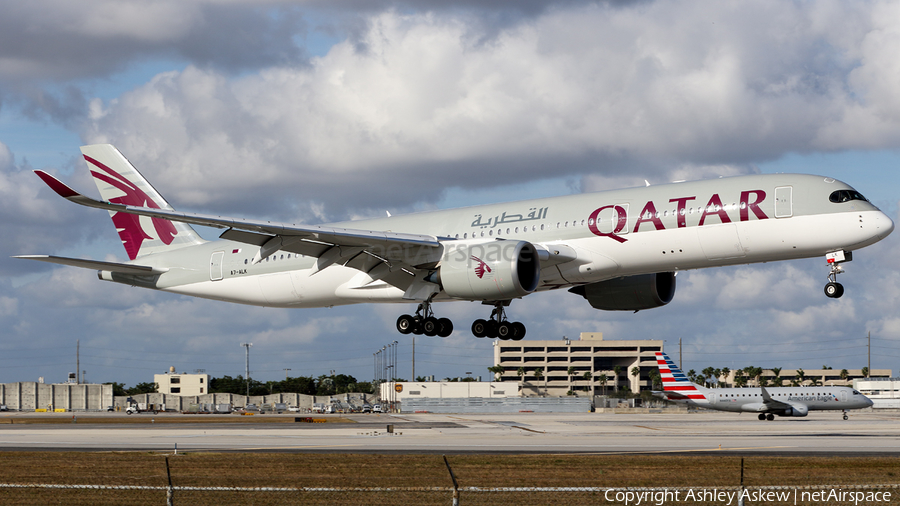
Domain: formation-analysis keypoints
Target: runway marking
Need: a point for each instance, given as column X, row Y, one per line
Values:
column 648, row 428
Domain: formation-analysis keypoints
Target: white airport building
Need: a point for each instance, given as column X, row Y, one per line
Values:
column 181, row 384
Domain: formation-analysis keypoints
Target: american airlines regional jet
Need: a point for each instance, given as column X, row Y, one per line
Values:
column 767, row 402
column 619, row 249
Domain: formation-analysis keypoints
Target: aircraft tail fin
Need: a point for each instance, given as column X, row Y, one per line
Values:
column 675, row 381
column 120, row 183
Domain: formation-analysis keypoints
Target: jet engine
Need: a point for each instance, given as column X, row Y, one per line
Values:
column 795, row 411
column 494, row 270
column 630, row 293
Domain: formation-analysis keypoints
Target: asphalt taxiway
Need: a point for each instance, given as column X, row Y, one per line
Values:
column 866, row 432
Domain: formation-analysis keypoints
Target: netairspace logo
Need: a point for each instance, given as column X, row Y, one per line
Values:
column 733, row 497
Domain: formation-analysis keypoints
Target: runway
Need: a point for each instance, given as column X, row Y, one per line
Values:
column 866, row 432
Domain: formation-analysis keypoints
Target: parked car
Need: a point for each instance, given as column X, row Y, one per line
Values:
column 376, row 408
column 3, row 407
column 294, row 409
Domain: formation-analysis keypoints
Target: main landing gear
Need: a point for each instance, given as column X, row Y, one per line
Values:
column 498, row 326
column 424, row 322
column 764, row 416
column 834, row 289
column 845, row 415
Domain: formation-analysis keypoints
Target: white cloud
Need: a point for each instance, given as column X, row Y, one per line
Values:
column 616, row 93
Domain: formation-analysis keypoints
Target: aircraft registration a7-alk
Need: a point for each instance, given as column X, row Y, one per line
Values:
column 618, row 249
column 766, row 402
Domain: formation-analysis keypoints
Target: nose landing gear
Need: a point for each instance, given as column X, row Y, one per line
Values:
column 424, row 322
column 834, row 289
column 498, row 326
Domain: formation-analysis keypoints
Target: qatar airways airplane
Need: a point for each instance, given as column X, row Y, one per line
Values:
column 618, row 249
column 766, row 402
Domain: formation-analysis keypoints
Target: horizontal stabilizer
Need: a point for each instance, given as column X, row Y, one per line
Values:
column 138, row 270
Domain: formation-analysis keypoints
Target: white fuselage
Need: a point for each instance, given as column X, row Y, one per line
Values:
column 751, row 399
column 605, row 235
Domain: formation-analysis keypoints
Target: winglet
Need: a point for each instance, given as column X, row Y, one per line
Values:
column 56, row 185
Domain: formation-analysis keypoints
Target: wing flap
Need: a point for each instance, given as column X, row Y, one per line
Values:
column 139, row 270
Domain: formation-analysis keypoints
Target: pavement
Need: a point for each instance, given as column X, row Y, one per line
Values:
column 867, row 432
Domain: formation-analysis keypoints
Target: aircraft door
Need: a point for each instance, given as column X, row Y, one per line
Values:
column 215, row 265
column 783, row 202
column 843, row 396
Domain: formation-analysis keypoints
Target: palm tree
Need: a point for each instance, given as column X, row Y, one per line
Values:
column 845, row 374
column 776, row 371
column 569, row 372
column 725, row 372
column 865, row 371
column 692, row 375
column 655, row 379
column 814, row 382
column 587, row 377
column 740, row 380
column 498, row 371
column 603, row 378
column 707, row 374
column 520, row 372
column 801, row 376
column 617, row 370
column 636, row 372
column 538, row 374
column 717, row 373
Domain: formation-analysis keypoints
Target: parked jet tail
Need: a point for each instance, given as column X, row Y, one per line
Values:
column 676, row 386
column 120, row 183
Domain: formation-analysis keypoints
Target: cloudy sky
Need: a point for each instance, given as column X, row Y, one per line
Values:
column 326, row 110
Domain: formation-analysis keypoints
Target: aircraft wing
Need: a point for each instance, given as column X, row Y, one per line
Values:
column 772, row 404
column 140, row 270
column 308, row 240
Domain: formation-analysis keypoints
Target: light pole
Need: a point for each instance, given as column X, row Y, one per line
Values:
column 394, row 377
column 286, row 374
column 248, row 345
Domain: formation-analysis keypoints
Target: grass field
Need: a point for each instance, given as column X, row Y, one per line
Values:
column 410, row 472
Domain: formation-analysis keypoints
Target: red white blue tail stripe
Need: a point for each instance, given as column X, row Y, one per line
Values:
column 674, row 380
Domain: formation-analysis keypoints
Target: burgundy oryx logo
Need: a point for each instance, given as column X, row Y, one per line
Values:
column 129, row 225
column 481, row 267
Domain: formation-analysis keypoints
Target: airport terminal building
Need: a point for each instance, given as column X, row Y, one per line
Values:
column 556, row 367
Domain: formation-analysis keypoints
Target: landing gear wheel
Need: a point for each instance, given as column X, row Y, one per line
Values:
column 762, row 416
column 445, row 327
column 430, row 326
column 518, row 331
column 770, row 417
column 405, row 324
column 491, row 329
column 479, row 328
column 834, row 290
column 417, row 329
column 846, row 417
column 505, row 331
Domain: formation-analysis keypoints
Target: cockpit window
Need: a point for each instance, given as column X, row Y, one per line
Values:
column 845, row 196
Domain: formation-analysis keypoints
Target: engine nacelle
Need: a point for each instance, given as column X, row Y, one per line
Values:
column 489, row 270
column 795, row 411
column 631, row 293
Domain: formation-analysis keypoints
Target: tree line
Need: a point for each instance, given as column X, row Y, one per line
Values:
column 321, row 385
column 743, row 377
